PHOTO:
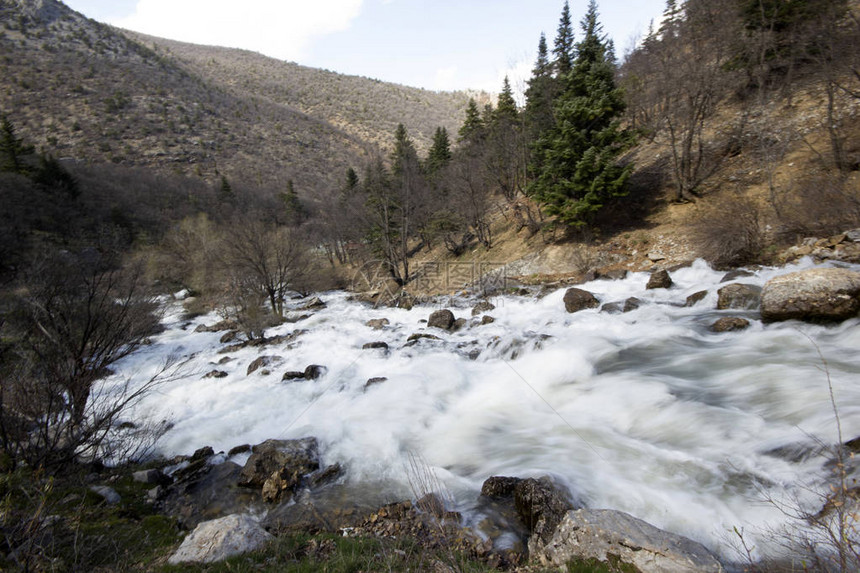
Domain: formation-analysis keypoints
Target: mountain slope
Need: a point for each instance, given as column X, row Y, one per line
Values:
column 86, row 91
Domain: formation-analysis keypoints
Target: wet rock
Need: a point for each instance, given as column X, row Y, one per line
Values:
column 229, row 336
column 443, row 319
column 541, row 505
column 736, row 274
column 482, row 307
column 377, row 323
column 277, row 466
column 108, row 494
column 618, row 306
column 218, row 539
column 374, row 381
column 576, row 299
column 215, row 374
column 730, row 324
column 241, row 449
column 314, row 371
column 487, row 319
column 225, row 360
column 853, row 235
column 323, row 476
column 631, row 304
column 659, row 279
column 499, row 487
column 739, row 296
column 263, row 362
column 815, row 294
column 375, row 346
column 293, row 375
column 207, row 492
column 615, row 537
column 415, row 338
column 313, row 304
column 695, row 298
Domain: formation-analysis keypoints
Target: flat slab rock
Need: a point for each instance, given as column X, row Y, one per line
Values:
column 221, row 538
column 601, row 533
column 814, row 294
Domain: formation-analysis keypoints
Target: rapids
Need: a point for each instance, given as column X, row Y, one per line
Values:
column 647, row 412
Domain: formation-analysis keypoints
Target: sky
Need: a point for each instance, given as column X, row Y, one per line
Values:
column 436, row 45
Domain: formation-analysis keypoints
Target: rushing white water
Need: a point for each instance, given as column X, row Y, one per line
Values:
column 647, row 412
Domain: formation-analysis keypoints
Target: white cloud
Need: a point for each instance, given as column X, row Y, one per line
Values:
column 280, row 28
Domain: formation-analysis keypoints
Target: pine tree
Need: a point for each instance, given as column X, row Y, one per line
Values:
column 352, row 181
column 440, row 152
column 506, row 107
column 580, row 169
column 225, row 191
column 12, row 148
column 563, row 48
column 473, row 126
column 295, row 211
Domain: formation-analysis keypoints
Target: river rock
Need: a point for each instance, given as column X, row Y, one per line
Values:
column 659, row 279
column 739, row 296
column 293, row 375
column 576, row 299
column 541, row 505
column 215, row 374
column 379, row 345
column 736, row 274
column 218, row 539
column 613, row 536
column 814, row 294
column 619, row 306
column 497, row 487
column 313, row 304
column 482, row 307
column 695, row 297
column 730, row 324
column 377, row 323
column 286, row 459
column 443, row 319
column 151, row 476
column 374, row 381
column 262, row 362
column 314, row 371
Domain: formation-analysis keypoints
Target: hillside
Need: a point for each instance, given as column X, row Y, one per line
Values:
column 83, row 90
column 365, row 108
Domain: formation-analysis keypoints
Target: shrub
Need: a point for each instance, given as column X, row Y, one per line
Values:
column 729, row 232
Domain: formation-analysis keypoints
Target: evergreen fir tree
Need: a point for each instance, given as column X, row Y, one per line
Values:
column 506, row 108
column 352, row 181
column 538, row 113
column 473, row 126
column 580, row 170
column 563, row 48
column 440, row 152
column 12, row 148
column 225, row 191
column 293, row 205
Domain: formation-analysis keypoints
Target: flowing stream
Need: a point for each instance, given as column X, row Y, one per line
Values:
column 647, row 412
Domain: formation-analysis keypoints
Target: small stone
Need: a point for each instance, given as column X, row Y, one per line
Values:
column 229, row 336
column 374, row 381
column 239, row 450
column 377, row 323
column 730, row 324
column 487, row 319
column 216, row 374
column 110, row 496
column 375, row 345
column 482, row 307
column 293, row 375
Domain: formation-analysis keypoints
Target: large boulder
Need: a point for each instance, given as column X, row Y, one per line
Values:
column 616, row 537
column 814, row 294
column 576, row 299
column 739, row 296
column 221, row 538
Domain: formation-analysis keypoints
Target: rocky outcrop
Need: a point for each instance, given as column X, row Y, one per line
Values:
column 443, row 319
column 815, row 294
column 659, row 279
column 218, row 539
column 616, row 537
column 277, row 466
column 739, row 296
column 576, row 299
